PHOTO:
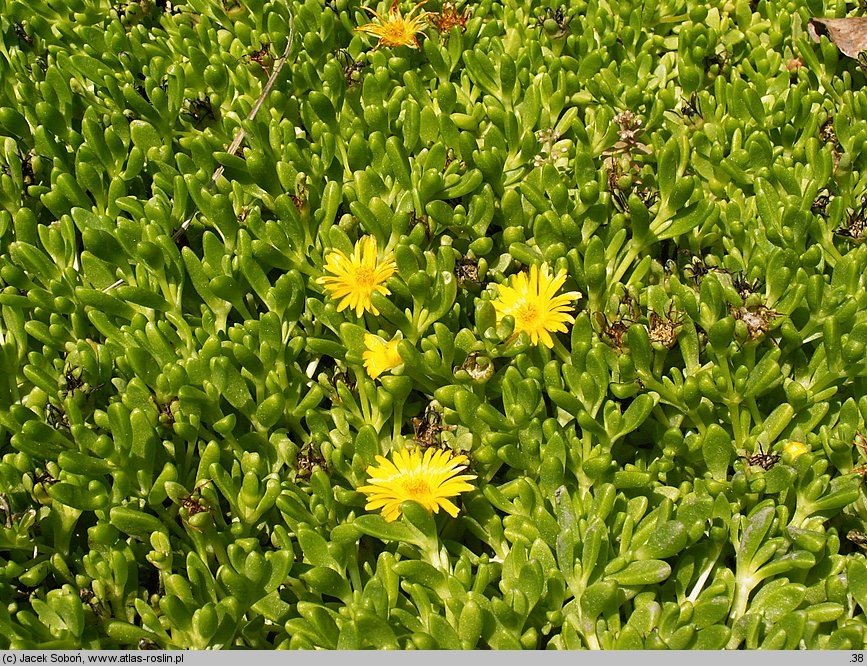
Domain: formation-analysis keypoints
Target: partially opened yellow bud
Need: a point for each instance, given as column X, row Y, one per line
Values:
column 795, row 449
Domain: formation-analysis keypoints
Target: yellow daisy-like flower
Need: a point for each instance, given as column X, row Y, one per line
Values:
column 380, row 356
column 354, row 279
column 428, row 480
column 532, row 302
column 396, row 29
column 795, row 449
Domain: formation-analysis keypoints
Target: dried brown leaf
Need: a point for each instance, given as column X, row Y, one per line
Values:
column 848, row 34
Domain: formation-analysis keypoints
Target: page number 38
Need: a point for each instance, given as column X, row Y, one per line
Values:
column 857, row 658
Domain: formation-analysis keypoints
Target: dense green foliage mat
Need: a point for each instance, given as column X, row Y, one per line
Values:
column 189, row 409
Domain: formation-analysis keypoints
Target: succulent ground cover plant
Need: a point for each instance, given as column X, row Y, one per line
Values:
column 589, row 278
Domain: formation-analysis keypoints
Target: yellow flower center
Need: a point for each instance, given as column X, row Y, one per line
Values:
column 395, row 31
column 365, row 278
column 416, row 487
column 527, row 317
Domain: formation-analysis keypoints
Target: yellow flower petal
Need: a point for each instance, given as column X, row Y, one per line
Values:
column 429, row 479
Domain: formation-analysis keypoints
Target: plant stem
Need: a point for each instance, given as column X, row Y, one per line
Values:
column 628, row 260
column 561, row 351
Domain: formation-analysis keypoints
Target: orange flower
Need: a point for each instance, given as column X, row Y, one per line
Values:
column 448, row 18
column 396, row 30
